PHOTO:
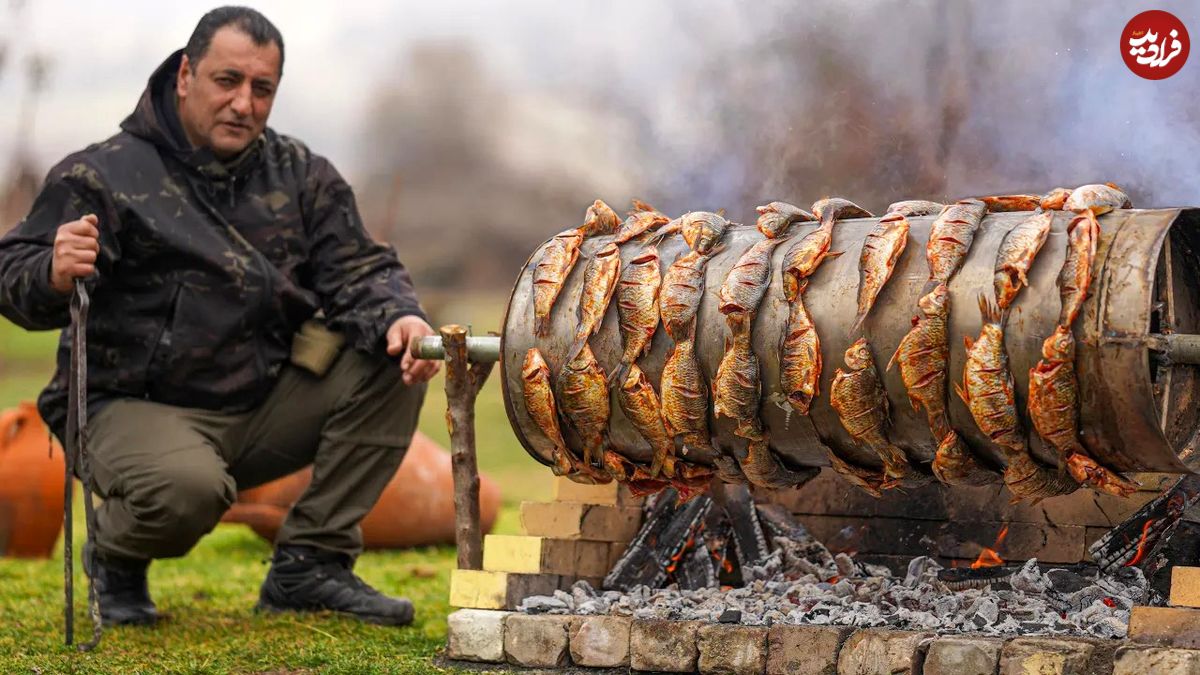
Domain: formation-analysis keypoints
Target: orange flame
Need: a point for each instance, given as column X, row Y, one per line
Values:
column 988, row 556
column 1141, row 547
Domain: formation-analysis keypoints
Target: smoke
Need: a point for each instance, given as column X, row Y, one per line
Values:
column 707, row 104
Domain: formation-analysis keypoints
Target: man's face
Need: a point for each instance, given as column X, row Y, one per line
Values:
column 225, row 98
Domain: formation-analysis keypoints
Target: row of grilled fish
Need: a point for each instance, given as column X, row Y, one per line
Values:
column 856, row 394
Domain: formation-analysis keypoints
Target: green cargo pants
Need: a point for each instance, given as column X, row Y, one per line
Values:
column 167, row 474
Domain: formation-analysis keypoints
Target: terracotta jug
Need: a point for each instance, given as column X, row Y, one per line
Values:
column 31, row 485
column 415, row 509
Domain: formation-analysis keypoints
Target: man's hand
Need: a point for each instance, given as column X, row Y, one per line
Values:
column 76, row 246
column 399, row 335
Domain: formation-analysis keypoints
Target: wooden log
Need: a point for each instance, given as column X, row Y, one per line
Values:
column 463, row 382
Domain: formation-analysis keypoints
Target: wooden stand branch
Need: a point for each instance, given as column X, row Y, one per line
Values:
column 463, row 383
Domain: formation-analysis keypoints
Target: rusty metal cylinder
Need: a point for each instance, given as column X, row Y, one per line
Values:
column 1138, row 406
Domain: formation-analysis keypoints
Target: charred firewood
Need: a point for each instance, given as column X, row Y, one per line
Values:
column 666, row 531
column 748, row 537
column 1134, row 541
column 696, row 568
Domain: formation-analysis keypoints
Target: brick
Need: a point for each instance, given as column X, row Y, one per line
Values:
column 540, row 555
column 615, row 550
column 663, row 646
column 829, row 495
column 1046, row 656
column 600, row 641
column 880, row 650
column 1185, row 586
column 1165, row 626
column 963, row 656
column 574, row 520
column 536, row 640
column 479, row 589
column 1145, row 660
column 1154, row 482
column 476, row 635
column 804, row 650
column 891, row 536
column 737, row 650
column 615, row 494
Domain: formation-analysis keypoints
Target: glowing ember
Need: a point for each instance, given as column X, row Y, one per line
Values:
column 988, row 556
column 1141, row 547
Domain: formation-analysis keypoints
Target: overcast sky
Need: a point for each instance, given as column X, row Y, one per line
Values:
column 336, row 52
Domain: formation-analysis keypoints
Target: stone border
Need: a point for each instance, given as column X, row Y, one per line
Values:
column 607, row 642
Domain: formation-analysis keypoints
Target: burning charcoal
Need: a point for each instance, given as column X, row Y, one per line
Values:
column 665, row 534
column 1066, row 581
column 697, row 569
column 748, row 536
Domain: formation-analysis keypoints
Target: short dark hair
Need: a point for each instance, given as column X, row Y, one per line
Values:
column 249, row 21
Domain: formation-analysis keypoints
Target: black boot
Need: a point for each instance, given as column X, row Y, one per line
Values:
column 303, row 578
column 121, row 588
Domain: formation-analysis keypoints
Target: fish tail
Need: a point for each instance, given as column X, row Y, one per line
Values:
column 576, row 346
column 962, row 393
column 989, row 311
column 858, row 322
column 618, row 374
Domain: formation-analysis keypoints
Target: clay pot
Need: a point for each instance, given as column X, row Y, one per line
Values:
column 415, row 509
column 31, row 485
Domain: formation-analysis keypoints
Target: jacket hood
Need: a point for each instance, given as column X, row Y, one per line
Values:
column 155, row 118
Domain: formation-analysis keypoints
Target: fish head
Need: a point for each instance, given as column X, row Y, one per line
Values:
column 702, row 230
column 534, row 366
column 775, row 217
column 600, row 219
column 1060, row 346
column 935, row 302
column 858, row 355
column 639, row 205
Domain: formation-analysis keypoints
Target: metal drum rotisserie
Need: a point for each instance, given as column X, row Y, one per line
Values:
column 1138, row 405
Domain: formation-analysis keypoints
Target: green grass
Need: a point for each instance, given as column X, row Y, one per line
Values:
column 208, row 595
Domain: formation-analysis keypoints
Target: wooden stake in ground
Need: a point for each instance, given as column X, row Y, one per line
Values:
column 463, row 383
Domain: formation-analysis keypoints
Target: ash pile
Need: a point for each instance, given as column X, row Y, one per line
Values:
column 722, row 558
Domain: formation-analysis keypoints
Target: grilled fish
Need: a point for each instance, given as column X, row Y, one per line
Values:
column 558, row 257
column 599, row 282
column 641, row 406
column 1053, row 407
column 763, row 469
column 916, row 207
column 599, row 219
column 862, row 406
column 955, row 464
column 832, row 209
column 702, row 230
column 880, row 252
column 987, row 390
column 800, row 357
column 1016, row 254
column 950, row 239
column 642, row 219
column 685, row 396
column 635, row 476
column 871, row 481
column 637, row 307
column 804, row 257
column 583, row 396
column 1006, row 203
column 1075, row 277
column 1055, row 199
column 775, row 218
column 738, row 385
column 539, row 403
column 1099, row 199
column 747, row 282
column 682, row 289
column 1083, row 238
